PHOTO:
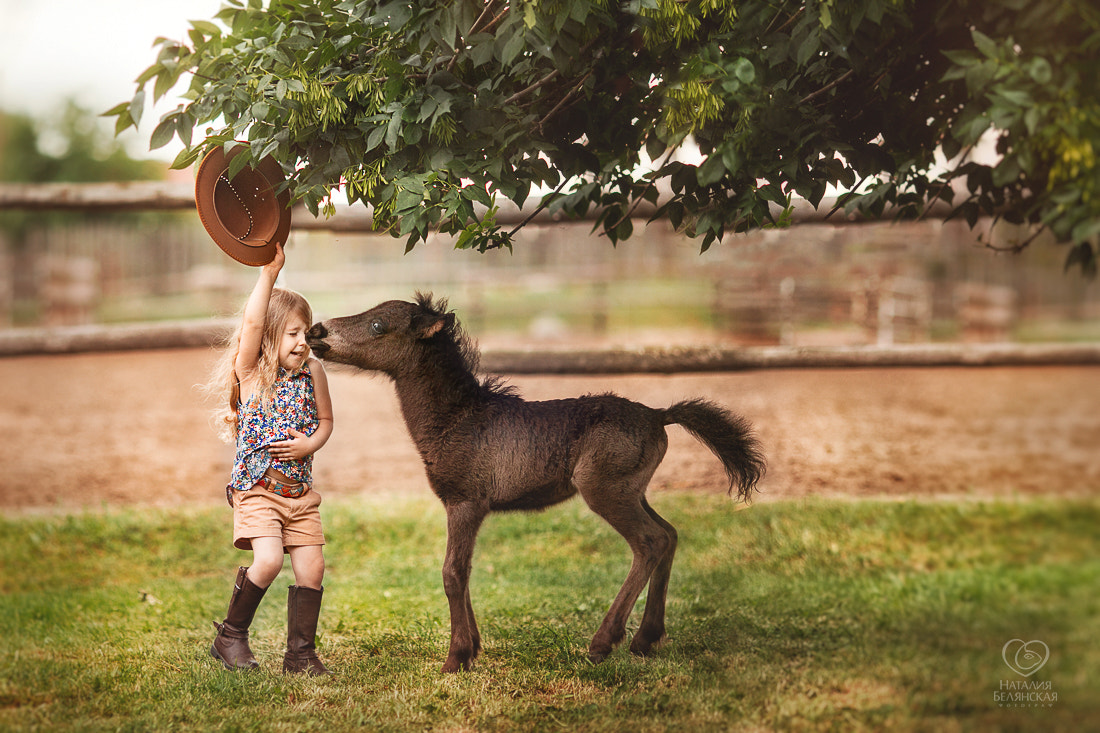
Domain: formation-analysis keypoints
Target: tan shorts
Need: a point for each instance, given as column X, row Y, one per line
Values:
column 259, row 513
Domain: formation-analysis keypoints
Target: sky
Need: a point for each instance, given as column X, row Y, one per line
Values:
column 90, row 51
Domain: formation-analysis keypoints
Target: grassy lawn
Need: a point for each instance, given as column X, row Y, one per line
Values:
column 787, row 615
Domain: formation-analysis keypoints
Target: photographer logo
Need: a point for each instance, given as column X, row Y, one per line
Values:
column 1025, row 658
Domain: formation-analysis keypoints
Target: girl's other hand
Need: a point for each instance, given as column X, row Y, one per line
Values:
column 295, row 448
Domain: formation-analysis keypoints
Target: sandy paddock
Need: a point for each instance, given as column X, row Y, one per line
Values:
column 130, row 428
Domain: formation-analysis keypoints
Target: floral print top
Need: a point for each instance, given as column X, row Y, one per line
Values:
column 292, row 406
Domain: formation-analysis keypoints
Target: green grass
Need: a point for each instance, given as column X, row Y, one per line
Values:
column 790, row 616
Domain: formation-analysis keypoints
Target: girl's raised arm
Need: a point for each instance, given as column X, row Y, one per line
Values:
column 255, row 313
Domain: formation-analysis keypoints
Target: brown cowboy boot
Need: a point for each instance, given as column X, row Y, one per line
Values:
column 303, row 605
column 231, row 644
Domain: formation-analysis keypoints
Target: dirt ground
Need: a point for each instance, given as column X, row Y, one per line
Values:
column 89, row 430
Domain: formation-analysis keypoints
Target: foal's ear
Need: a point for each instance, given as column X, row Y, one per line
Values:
column 430, row 327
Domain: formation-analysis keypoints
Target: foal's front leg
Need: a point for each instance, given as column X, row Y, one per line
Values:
column 463, row 522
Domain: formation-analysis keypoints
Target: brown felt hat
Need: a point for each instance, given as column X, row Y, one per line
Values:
column 243, row 215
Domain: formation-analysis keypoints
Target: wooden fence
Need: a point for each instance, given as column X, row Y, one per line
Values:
column 766, row 289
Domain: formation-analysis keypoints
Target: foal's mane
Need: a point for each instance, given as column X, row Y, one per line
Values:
column 460, row 345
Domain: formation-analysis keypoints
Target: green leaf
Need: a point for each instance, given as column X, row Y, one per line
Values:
column 481, row 52
column 773, row 193
column 164, row 83
column 124, row 121
column 407, row 200
column 465, row 239
column 984, row 44
column 809, row 47
column 979, row 76
column 744, row 71
column 116, row 110
column 137, row 106
column 162, row 134
column 393, row 129
column 1085, row 230
column 447, row 26
column 961, row 58
column 1040, row 70
column 238, row 163
column 711, row 171
column 374, row 139
column 1017, row 97
column 478, row 193
column 512, row 48
column 149, row 73
column 185, row 159
column 1031, row 120
column 206, row 27
column 412, row 183
column 396, row 14
column 1007, row 171
column 1082, row 255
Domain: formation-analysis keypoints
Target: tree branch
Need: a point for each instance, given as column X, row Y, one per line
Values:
column 541, row 82
column 495, row 20
column 488, row 7
column 550, row 77
column 827, row 87
column 641, row 197
column 842, row 200
column 1010, row 248
column 542, row 205
column 962, row 158
column 472, row 31
column 557, row 108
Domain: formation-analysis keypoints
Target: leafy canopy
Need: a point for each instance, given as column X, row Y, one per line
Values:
column 423, row 109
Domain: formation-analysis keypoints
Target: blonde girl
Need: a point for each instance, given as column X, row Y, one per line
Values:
column 278, row 411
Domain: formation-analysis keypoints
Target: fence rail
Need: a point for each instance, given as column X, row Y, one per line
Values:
column 169, row 196
column 648, row 360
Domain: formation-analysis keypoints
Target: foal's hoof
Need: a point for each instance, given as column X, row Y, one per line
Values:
column 452, row 666
column 596, row 657
column 642, row 646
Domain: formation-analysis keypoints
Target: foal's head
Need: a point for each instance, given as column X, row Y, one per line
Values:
column 393, row 337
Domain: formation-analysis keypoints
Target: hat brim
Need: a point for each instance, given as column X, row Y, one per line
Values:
column 252, row 252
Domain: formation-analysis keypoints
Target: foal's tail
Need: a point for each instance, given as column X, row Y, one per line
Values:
column 729, row 436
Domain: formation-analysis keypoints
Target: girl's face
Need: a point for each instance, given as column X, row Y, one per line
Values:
column 293, row 350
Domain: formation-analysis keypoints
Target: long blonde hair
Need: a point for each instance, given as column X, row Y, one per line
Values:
column 225, row 383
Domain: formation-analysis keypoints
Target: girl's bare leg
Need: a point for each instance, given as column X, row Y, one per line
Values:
column 267, row 560
column 308, row 562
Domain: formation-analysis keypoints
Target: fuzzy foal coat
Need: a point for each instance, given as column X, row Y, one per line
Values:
column 485, row 449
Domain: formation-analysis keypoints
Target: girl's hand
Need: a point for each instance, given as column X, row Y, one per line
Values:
column 295, row 448
column 279, row 260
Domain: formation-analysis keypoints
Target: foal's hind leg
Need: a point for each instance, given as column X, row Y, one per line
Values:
column 612, row 477
column 650, row 544
column 652, row 630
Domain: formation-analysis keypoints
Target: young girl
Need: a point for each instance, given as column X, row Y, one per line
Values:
column 279, row 414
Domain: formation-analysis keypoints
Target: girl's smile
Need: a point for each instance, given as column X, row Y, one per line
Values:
column 293, row 349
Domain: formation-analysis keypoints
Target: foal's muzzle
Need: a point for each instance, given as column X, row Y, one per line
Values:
column 315, row 337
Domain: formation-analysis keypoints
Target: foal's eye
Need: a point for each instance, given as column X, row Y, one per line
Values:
column 377, row 328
